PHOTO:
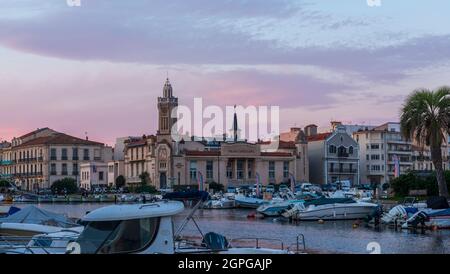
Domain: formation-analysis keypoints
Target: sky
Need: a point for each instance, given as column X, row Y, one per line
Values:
column 99, row 67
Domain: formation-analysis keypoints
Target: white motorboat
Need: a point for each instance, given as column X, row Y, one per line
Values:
column 248, row 202
column 32, row 220
column 221, row 203
column 49, row 243
column 149, row 229
column 330, row 209
column 275, row 207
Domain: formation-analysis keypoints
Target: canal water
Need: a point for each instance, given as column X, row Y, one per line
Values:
column 329, row 237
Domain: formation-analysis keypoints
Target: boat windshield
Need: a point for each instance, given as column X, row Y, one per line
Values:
column 108, row 237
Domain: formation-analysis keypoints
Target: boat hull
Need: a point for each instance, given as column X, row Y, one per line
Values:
column 336, row 212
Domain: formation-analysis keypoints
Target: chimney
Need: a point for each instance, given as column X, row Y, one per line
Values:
column 311, row 130
column 335, row 125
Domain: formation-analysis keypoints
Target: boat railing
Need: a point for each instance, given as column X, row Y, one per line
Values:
column 257, row 241
column 15, row 244
column 300, row 242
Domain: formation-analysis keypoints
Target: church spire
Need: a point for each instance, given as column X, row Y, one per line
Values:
column 235, row 125
column 167, row 90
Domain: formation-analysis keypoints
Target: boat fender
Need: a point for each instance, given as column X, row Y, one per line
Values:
column 320, row 221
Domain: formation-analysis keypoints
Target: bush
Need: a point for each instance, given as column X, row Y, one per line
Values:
column 411, row 181
column 216, row 187
column 65, row 186
column 185, row 187
column 4, row 183
column 120, row 181
column 146, row 189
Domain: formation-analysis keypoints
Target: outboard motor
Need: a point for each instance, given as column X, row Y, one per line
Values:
column 418, row 218
column 397, row 212
column 376, row 214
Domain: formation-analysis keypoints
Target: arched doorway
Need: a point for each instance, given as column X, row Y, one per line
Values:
column 162, row 180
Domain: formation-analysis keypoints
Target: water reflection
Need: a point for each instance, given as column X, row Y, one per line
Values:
column 337, row 237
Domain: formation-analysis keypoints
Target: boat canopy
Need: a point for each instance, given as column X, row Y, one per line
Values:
column 34, row 215
column 183, row 195
column 135, row 211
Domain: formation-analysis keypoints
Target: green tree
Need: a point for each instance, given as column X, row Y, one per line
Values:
column 66, row 185
column 4, row 183
column 120, row 181
column 425, row 117
column 145, row 179
column 216, row 187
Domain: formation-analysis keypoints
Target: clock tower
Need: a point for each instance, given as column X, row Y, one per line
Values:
column 166, row 104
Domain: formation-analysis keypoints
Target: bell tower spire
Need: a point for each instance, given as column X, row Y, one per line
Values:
column 166, row 104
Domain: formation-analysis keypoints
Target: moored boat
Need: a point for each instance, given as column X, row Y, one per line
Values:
column 248, row 202
column 149, row 229
column 330, row 209
column 32, row 220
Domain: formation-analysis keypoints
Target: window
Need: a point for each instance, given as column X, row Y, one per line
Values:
column 332, row 149
column 53, row 154
column 367, row 157
column 376, row 168
column 75, row 169
column 118, row 236
column 64, row 154
column 285, row 169
column 332, row 167
column 209, row 169
column 342, row 152
column 250, row 168
column 53, row 169
column 350, row 150
column 229, row 170
column 350, row 168
column 374, row 146
column 240, row 169
column 64, row 169
column 86, row 154
column 193, row 170
column 271, row 170
column 75, row 154
column 375, row 157
column 100, row 176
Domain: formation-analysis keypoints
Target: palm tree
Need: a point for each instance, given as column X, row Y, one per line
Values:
column 425, row 118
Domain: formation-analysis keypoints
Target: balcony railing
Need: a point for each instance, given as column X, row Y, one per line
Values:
column 75, row 158
column 64, row 158
column 53, row 158
column 343, row 170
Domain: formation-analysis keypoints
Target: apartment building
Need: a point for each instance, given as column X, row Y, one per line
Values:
column 37, row 159
column 93, row 175
column 384, row 146
column 333, row 156
column 380, row 149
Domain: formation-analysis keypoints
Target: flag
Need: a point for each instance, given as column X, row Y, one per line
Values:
column 292, row 182
column 200, row 181
column 257, row 183
column 396, row 166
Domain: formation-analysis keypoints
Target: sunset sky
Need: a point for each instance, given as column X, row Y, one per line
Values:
column 98, row 68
